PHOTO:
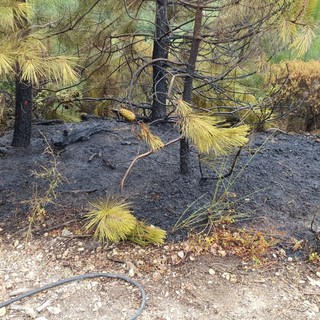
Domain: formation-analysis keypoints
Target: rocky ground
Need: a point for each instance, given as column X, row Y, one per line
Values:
column 197, row 287
column 275, row 188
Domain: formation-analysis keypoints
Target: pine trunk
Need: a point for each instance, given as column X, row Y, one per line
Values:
column 160, row 52
column 23, row 107
column 23, row 114
column 188, row 84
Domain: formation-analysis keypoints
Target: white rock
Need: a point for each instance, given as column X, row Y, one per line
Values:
column 30, row 312
column 314, row 308
column 131, row 272
column 66, row 233
column 54, row 310
column 211, row 271
column 44, row 305
column 3, row 312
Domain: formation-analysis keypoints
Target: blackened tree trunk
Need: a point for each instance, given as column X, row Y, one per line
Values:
column 23, row 107
column 188, row 84
column 160, row 54
column 23, row 114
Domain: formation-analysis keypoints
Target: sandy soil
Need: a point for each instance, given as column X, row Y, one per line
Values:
column 203, row 287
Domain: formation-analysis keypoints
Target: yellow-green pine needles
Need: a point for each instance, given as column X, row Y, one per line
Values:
column 202, row 131
column 154, row 142
column 144, row 234
column 111, row 220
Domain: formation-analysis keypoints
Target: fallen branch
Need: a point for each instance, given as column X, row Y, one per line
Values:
column 78, row 134
column 140, row 156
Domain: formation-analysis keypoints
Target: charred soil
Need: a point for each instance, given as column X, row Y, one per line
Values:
column 275, row 185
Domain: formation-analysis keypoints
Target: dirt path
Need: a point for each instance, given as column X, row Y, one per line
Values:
column 205, row 287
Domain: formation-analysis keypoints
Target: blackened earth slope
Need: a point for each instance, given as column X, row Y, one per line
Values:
column 280, row 185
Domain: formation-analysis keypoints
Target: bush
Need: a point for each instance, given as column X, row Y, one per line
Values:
column 299, row 84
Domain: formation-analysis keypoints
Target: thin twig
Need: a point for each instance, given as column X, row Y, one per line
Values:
column 313, row 221
column 142, row 156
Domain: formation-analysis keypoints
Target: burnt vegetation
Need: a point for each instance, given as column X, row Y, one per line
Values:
column 165, row 103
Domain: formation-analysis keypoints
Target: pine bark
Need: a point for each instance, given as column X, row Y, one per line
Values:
column 188, row 84
column 23, row 114
column 160, row 52
column 23, row 96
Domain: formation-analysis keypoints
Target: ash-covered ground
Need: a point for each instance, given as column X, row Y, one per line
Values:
column 275, row 183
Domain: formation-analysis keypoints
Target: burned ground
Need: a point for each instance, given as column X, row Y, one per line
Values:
column 275, row 184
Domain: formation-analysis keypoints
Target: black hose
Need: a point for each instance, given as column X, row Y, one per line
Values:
column 82, row 277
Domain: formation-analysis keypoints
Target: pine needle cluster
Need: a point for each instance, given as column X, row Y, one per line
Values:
column 24, row 52
column 13, row 13
column 203, row 131
column 154, row 142
column 297, row 26
column 112, row 220
column 144, row 234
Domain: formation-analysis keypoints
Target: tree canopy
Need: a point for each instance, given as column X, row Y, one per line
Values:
column 148, row 55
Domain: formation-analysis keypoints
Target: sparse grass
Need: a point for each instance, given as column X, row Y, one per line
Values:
column 212, row 224
column 224, row 203
column 48, row 174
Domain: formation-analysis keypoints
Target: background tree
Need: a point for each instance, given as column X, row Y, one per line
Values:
column 160, row 55
column 25, row 57
column 188, row 82
column 208, row 51
column 23, row 94
column 215, row 41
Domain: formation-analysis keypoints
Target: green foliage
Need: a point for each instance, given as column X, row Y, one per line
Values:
column 61, row 104
column 24, row 51
column 296, row 29
column 67, row 114
column 258, row 118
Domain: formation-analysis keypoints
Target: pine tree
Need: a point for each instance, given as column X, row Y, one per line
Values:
column 26, row 60
column 298, row 24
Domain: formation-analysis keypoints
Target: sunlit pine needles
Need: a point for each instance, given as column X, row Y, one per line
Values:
column 151, row 139
column 202, row 131
column 111, row 219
